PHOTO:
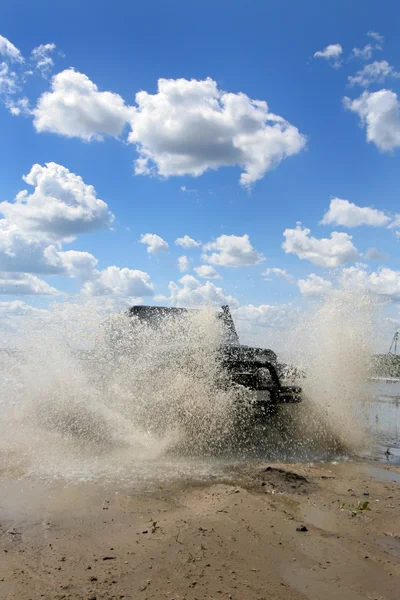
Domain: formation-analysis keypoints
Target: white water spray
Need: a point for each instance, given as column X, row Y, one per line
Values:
column 333, row 344
column 81, row 400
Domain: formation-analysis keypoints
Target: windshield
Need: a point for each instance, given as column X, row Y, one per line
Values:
column 155, row 315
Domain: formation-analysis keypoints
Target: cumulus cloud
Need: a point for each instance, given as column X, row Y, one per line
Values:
column 60, row 207
column 183, row 263
column 315, row 285
column 188, row 127
column 379, row 113
column 374, row 254
column 187, row 242
column 154, row 243
column 41, row 55
column 8, row 81
column 331, row 53
column 207, row 272
column 8, row 50
column 266, row 315
column 343, row 212
column 383, row 282
column 114, row 281
column 20, row 252
column 74, row 107
column 326, row 252
column 231, row 251
column 160, row 298
column 376, row 72
column 395, row 223
column 72, row 263
column 37, row 225
column 280, row 273
column 190, row 292
column 16, row 284
column 17, row 308
column 265, row 325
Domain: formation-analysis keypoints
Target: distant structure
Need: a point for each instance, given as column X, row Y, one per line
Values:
column 388, row 365
column 393, row 345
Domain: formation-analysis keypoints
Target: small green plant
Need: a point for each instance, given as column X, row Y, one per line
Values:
column 154, row 526
column 359, row 508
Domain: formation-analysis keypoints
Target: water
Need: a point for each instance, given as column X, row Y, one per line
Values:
column 384, row 421
column 89, row 399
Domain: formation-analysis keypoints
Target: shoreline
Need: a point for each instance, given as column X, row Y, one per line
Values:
column 206, row 540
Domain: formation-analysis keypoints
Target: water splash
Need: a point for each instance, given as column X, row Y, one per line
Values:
column 86, row 396
column 83, row 391
column 333, row 344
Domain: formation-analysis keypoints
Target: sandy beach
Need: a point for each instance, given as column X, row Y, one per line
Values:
column 273, row 531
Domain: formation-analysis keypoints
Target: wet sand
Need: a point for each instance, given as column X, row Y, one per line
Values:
column 235, row 539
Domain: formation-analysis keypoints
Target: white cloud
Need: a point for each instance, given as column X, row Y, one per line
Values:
column 183, row 263
column 315, row 285
column 331, row 53
column 383, row 282
column 8, row 50
column 35, row 226
column 18, row 107
column 364, row 53
column 376, row 72
column 8, row 80
column 19, row 309
column 187, row 242
column 76, row 108
column 265, row 315
column 20, row 252
column 379, row 39
column 231, row 251
column 114, row 281
column 326, row 252
column 380, row 115
column 185, row 189
column 15, row 284
column 280, row 273
column 160, row 298
column 374, row 254
column 266, row 325
column 41, row 56
column 191, row 126
column 343, row 212
column 154, row 243
column 61, row 205
column 191, row 292
column 395, row 223
column 207, row 272
column 72, row 263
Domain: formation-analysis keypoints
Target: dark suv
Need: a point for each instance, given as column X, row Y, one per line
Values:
column 254, row 369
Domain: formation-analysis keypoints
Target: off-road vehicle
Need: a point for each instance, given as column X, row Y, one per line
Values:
column 254, row 369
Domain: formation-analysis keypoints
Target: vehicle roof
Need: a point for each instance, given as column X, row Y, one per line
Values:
column 142, row 311
column 155, row 313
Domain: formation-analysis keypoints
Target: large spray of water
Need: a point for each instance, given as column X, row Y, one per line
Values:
column 85, row 395
column 332, row 343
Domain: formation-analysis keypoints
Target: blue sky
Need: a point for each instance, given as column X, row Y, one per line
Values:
column 298, row 58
